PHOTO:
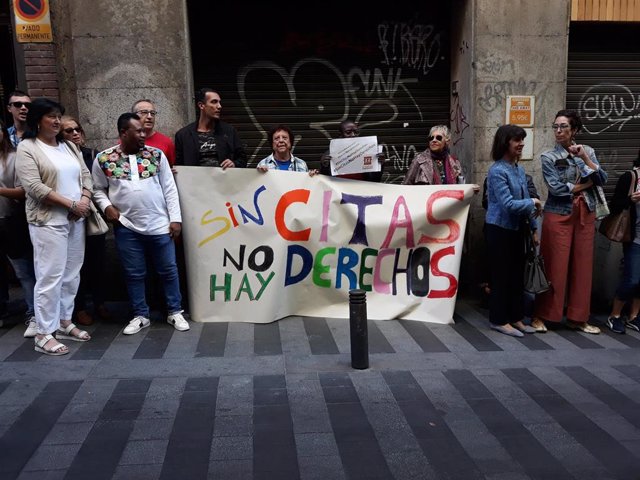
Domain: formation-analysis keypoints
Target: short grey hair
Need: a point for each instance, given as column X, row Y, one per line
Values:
column 442, row 128
column 135, row 104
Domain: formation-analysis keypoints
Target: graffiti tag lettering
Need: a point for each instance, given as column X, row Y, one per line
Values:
column 458, row 120
column 413, row 46
column 495, row 93
column 608, row 105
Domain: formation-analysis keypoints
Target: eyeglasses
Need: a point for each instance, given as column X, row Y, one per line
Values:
column 153, row 113
column 560, row 126
column 73, row 129
column 21, row 104
column 436, row 137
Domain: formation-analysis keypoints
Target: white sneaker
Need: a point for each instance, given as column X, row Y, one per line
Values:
column 32, row 327
column 135, row 325
column 178, row 322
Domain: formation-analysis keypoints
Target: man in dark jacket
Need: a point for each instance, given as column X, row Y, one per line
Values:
column 209, row 142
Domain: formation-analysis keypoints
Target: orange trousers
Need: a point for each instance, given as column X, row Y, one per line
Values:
column 567, row 249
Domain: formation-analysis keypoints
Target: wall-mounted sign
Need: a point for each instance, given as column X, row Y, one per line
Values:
column 33, row 23
column 521, row 112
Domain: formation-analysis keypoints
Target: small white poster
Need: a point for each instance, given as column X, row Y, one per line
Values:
column 354, row 155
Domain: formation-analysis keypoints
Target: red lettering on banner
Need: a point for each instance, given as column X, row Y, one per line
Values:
column 454, row 228
column 294, row 196
column 435, row 270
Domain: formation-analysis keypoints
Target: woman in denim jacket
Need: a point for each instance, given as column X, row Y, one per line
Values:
column 509, row 211
column 570, row 171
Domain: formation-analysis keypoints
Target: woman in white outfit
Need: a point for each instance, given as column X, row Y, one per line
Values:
column 59, row 189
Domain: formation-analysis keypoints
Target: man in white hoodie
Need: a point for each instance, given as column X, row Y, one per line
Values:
column 135, row 188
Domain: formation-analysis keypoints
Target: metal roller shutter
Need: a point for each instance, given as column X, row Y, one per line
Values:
column 274, row 63
column 603, row 84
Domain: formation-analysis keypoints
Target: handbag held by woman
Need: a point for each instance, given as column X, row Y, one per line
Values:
column 617, row 226
column 535, row 277
column 602, row 209
column 94, row 223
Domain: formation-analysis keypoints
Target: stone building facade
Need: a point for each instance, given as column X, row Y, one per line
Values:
column 399, row 71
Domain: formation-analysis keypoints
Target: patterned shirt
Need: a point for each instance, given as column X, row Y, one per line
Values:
column 144, row 192
column 115, row 163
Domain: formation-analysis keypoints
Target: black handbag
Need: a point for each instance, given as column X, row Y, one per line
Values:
column 535, row 278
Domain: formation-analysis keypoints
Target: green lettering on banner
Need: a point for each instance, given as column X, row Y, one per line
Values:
column 263, row 283
column 245, row 287
column 367, row 252
column 226, row 288
column 319, row 268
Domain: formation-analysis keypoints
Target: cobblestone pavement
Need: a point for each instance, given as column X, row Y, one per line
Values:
column 281, row 401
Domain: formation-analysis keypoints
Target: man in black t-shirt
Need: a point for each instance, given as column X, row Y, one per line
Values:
column 209, row 142
column 208, row 150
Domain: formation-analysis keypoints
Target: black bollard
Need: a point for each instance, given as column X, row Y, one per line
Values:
column 358, row 329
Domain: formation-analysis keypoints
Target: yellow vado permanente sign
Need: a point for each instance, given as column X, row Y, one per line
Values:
column 33, row 23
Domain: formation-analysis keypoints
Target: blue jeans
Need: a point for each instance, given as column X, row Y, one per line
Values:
column 132, row 248
column 23, row 267
column 15, row 246
column 630, row 285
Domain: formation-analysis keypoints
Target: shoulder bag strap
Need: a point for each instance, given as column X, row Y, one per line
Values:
column 634, row 181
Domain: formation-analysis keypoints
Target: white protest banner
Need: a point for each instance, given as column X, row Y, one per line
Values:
column 354, row 155
column 263, row 246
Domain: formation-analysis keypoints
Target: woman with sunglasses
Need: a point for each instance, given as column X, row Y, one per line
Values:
column 93, row 268
column 436, row 165
column 59, row 188
column 570, row 171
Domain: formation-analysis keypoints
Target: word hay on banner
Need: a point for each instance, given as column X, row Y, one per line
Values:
column 263, row 246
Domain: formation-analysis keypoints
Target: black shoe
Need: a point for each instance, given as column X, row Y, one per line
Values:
column 615, row 324
column 634, row 324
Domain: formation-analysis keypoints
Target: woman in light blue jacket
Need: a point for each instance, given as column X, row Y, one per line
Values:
column 510, row 216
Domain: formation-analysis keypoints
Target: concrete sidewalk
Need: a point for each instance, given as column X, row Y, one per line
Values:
column 280, row 401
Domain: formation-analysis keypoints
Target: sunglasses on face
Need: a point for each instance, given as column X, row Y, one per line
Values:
column 21, row 104
column 560, row 126
column 435, row 137
column 70, row 130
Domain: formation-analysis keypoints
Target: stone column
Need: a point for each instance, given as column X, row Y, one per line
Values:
column 500, row 48
column 114, row 53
